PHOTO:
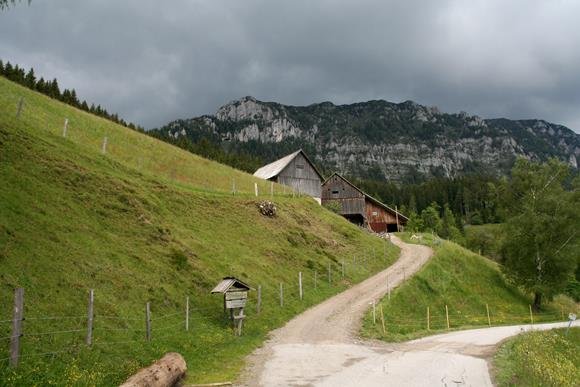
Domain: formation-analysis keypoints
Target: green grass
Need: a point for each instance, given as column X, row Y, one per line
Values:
column 463, row 281
column 147, row 222
column 542, row 358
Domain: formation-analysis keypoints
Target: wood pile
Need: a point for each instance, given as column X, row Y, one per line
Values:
column 267, row 208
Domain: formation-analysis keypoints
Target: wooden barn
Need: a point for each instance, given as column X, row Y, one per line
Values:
column 296, row 171
column 359, row 207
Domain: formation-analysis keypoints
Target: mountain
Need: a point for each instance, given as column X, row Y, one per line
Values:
column 404, row 142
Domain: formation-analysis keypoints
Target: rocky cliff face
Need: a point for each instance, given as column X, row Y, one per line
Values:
column 379, row 139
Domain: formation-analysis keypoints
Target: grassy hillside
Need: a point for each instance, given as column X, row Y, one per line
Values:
column 463, row 281
column 543, row 358
column 146, row 222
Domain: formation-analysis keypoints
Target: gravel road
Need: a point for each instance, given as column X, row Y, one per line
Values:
column 320, row 346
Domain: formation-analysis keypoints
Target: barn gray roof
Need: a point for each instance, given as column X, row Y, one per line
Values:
column 229, row 282
column 273, row 169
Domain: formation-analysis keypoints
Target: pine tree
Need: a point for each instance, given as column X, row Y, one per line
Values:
column 30, row 79
column 74, row 98
column 54, row 90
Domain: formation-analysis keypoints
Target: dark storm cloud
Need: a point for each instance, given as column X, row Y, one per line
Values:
column 156, row 61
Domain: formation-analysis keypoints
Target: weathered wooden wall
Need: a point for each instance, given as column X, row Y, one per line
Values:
column 337, row 189
column 358, row 207
column 379, row 218
column 301, row 176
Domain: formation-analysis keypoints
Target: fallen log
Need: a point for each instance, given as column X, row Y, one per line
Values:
column 165, row 372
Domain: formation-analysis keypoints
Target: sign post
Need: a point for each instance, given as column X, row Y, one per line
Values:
column 572, row 318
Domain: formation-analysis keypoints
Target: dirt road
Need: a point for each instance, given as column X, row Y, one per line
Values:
column 334, row 322
column 320, row 346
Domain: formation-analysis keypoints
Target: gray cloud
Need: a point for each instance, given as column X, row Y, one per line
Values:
column 156, row 61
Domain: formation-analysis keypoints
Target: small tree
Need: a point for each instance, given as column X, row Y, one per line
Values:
column 541, row 236
column 430, row 218
column 415, row 223
column 448, row 228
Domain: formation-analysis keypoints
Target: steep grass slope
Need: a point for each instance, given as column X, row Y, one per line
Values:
column 463, row 281
column 145, row 222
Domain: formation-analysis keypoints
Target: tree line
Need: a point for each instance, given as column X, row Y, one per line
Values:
column 472, row 198
column 539, row 240
column 51, row 89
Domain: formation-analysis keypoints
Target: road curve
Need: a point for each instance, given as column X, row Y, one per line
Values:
column 334, row 322
column 320, row 347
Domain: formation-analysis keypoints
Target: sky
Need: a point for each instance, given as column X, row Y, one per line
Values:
column 156, row 61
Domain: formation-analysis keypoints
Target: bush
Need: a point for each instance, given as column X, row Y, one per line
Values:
column 333, row 206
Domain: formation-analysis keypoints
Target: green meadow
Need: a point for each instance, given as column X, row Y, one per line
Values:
column 147, row 222
column 469, row 285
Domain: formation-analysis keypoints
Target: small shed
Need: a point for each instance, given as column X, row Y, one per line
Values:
column 295, row 170
column 235, row 292
column 235, row 297
column 359, row 207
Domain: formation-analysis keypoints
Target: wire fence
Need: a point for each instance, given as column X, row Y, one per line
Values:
column 26, row 337
column 139, row 151
column 447, row 318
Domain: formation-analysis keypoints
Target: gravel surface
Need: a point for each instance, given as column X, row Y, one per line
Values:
column 320, row 346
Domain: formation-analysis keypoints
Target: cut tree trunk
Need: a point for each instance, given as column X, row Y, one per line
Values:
column 165, row 372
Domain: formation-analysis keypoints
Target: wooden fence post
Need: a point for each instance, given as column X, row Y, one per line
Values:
column 233, row 186
column 384, row 249
column 272, row 189
column 17, row 318
column 531, row 315
column 397, row 216
column 187, row 313
column 65, row 127
column 300, row 284
column 90, row 316
column 281, row 294
column 148, row 321
column 374, row 312
column 343, row 268
column 20, row 105
column 259, row 303
column 488, row 319
column 382, row 318
column 428, row 320
column 256, row 189
column 104, row 147
column 447, row 315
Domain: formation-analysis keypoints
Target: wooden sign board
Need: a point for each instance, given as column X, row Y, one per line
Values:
column 236, row 296
column 240, row 303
